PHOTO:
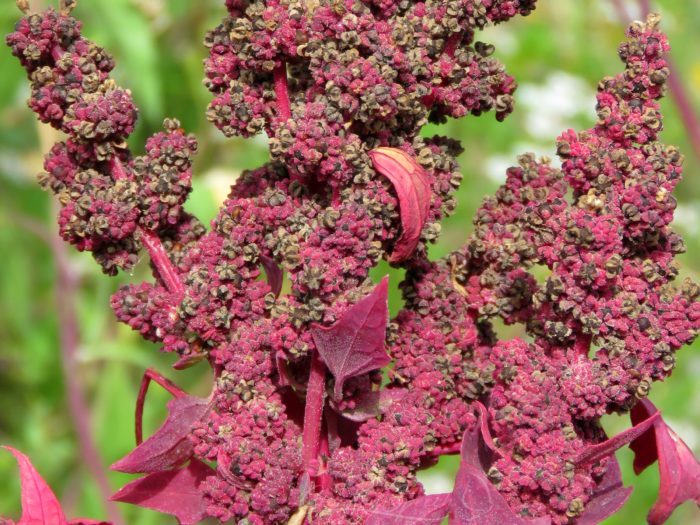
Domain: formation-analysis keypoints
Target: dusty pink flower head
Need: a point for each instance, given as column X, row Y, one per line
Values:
column 302, row 423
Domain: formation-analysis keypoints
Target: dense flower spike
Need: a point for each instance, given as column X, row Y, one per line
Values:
column 300, row 426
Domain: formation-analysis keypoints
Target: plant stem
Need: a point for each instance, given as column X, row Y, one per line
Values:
column 311, row 437
column 452, row 43
column 159, row 257
column 282, row 91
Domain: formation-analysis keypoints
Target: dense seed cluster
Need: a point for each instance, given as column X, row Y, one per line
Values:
column 581, row 256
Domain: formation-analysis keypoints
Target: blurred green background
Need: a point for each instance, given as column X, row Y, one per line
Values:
column 558, row 54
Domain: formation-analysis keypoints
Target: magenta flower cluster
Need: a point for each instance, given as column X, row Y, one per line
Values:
column 301, row 426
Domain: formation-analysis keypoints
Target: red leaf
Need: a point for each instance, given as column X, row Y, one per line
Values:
column 475, row 500
column 679, row 470
column 426, row 510
column 594, row 453
column 354, row 345
column 274, row 274
column 608, row 498
column 83, row 521
column 39, row 504
column 174, row 492
column 412, row 186
column 170, row 445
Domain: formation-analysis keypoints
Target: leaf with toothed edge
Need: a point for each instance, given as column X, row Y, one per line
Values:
column 679, row 469
column 170, row 445
column 354, row 345
column 176, row 492
column 412, row 186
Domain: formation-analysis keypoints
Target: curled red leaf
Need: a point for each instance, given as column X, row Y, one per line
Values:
column 475, row 500
column 426, row 510
column 593, row 453
column 39, row 503
column 609, row 496
column 274, row 274
column 679, row 469
column 170, row 446
column 354, row 345
column 176, row 492
column 412, row 186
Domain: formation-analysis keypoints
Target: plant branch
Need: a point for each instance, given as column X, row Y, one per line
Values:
column 159, row 257
column 282, row 91
column 313, row 412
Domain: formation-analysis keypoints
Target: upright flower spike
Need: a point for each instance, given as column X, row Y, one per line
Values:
column 342, row 90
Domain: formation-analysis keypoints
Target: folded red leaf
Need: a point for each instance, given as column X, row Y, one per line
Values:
column 609, row 496
column 475, row 500
column 354, row 345
column 39, row 504
column 478, row 448
column 593, row 453
column 176, row 492
column 426, row 510
column 412, row 186
column 170, row 446
column 274, row 274
column 679, row 470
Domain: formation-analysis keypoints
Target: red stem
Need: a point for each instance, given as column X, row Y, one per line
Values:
column 160, row 259
column 311, row 437
column 582, row 344
column 324, row 478
column 152, row 243
column 148, row 376
column 282, row 91
column 451, row 45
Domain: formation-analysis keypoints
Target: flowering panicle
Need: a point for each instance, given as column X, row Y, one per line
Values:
column 300, row 424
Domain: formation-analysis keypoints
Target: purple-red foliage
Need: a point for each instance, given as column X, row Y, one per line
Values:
column 300, row 424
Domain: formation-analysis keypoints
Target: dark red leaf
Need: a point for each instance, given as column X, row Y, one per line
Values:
column 170, row 446
column 412, row 186
column 189, row 360
column 354, row 345
column 475, row 500
column 176, row 492
column 83, row 521
column 426, row 510
column 608, row 498
column 478, row 449
column 274, row 274
column 679, row 470
column 39, row 504
column 594, row 453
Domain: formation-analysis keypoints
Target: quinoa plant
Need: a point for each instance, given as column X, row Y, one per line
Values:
column 323, row 408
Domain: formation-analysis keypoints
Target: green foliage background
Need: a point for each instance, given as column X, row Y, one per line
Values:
column 157, row 44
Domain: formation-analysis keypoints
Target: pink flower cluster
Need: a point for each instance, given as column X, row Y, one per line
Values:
column 301, row 425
